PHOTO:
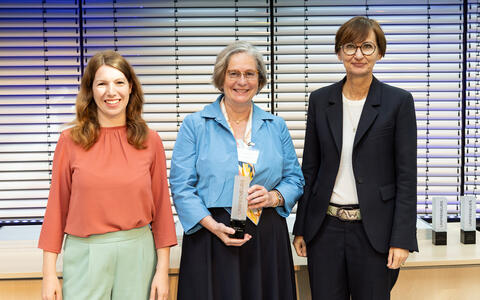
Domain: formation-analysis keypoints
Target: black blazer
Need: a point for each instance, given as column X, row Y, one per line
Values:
column 384, row 164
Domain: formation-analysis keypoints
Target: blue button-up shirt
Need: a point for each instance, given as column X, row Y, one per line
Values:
column 205, row 162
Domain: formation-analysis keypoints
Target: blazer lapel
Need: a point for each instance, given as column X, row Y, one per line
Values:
column 335, row 115
column 369, row 112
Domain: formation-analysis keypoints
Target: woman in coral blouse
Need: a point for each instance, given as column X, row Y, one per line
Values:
column 109, row 194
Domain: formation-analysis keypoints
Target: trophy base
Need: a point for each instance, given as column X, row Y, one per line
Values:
column 239, row 227
column 439, row 238
column 467, row 237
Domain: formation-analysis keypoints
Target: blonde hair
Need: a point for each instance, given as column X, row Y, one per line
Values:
column 86, row 127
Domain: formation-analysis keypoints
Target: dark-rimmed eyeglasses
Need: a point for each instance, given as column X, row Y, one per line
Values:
column 367, row 48
column 236, row 74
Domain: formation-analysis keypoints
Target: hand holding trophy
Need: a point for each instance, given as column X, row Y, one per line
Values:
column 239, row 206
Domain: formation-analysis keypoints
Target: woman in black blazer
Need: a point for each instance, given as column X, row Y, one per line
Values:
column 357, row 217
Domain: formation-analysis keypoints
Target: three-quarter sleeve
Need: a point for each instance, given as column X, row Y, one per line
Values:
column 163, row 226
column 51, row 236
column 183, row 178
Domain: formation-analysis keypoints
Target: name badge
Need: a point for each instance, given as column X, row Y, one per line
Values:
column 247, row 155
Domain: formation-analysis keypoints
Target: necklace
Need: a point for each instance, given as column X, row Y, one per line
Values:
column 238, row 121
column 354, row 127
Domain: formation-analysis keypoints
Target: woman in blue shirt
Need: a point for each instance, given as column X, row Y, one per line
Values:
column 232, row 136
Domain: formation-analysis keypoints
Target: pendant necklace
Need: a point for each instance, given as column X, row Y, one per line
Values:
column 238, row 121
column 354, row 127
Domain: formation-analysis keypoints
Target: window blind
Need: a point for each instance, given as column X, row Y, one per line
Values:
column 172, row 45
column 39, row 77
column 472, row 106
column 424, row 56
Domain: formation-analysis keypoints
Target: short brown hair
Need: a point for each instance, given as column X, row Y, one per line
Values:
column 86, row 125
column 223, row 59
column 357, row 30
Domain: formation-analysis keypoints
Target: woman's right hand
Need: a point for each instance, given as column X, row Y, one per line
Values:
column 222, row 231
column 51, row 288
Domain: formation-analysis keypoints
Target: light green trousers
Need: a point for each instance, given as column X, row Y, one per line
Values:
column 112, row 266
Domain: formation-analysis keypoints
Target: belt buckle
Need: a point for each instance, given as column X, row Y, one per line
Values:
column 345, row 215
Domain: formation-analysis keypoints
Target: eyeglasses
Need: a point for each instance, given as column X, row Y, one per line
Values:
column 367, row 48
column 248, row 75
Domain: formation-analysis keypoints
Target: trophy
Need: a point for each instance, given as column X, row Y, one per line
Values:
column 238, row 218
column 439, row 220
column 468, row 207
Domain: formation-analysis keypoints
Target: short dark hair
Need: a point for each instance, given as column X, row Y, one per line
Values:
column 357, row 30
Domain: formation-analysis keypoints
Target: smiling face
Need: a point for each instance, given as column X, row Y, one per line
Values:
column 111, row 91
column 240, row 90
column 359, row 65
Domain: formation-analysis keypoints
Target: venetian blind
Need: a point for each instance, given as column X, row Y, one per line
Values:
column 472, row 107
column 39, row 77
column 172, row 46
column 424, row 56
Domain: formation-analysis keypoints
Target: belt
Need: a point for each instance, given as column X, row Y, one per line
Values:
column 344, row 213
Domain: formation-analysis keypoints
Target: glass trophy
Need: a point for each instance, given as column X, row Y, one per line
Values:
column 439, row 220
column 468, row 222
column 238, row 218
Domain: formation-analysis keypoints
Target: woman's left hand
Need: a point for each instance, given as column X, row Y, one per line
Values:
column 159, row 289
column 396, row 257
column 259, row 197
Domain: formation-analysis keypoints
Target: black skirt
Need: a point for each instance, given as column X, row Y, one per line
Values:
column 261, row 269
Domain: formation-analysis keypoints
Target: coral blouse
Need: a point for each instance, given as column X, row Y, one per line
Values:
column 110, row 187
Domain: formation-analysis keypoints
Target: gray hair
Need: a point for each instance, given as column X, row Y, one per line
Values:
column 223, row 59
